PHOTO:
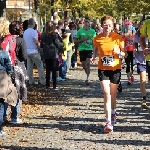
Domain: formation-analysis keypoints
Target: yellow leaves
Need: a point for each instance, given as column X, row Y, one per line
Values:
column 23, row 140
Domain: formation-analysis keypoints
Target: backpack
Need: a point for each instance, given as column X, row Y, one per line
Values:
column 21, row 54
column 50, row 50
column 9, row 44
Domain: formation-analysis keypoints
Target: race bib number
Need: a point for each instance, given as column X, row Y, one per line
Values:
column 87, row 42
column 129, row 43
column 108, row 60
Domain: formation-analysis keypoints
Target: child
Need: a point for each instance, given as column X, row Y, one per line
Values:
column 67, row 47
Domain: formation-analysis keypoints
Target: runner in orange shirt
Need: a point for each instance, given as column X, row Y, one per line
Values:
column 110, row 47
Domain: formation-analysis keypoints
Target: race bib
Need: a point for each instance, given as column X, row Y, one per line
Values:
column 87, row 42
column 108, row 60
column 129, row 43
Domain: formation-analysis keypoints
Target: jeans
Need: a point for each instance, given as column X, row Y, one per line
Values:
column 51, row 65
column 15, row 110
column 63, row 69
column 31, row 59
column 1, row 112
column 68, row 61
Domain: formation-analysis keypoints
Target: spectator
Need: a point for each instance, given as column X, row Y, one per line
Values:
column 33, row 53
column 19, row 75
column 52, row 46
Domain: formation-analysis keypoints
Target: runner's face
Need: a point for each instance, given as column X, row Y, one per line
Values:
column 86, row 23
column 127, row 26
column 117, row 27
column 107, row 26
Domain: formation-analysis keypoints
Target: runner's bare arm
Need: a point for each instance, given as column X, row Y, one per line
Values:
column 95, row 51
column 142, row 42
column 123, row 52
column 76, row 40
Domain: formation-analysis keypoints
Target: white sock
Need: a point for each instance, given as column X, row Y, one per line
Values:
column 87, row 78
column 108, row 120
column 113, row 111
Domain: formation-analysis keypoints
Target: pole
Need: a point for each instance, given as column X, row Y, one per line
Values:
column 45, row 17
column 52, row 10
column 29, row 5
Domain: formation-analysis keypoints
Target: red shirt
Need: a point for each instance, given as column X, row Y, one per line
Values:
column 129, row 43
column 39, row 35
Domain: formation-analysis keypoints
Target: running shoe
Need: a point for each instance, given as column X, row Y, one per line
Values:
column 113, row 119
column 132, row 78
column 129, row 82
column 87, row 82
column 60, row 79
column 2, row 133
column 56, row 88
column 16, row 121
column 47, row 88
column 144, row 106
column 108, row 128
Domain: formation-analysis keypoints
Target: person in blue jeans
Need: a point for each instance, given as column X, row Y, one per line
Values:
column 66, row 48
column 19, row 76
column 63, row 69
column 5, row 72
column 14, row 113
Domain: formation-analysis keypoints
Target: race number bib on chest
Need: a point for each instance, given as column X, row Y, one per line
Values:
column 129, row 43
column 108, row 60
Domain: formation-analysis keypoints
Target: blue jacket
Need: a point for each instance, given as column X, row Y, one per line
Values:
column 5, row 63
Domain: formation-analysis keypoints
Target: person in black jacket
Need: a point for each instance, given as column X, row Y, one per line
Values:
column 19, row 77
column 52, row 46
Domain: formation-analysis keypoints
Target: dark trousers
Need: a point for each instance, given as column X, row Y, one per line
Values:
column 129, row 61
column 51, row 65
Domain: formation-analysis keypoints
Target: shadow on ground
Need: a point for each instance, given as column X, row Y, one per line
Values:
column 26, row 148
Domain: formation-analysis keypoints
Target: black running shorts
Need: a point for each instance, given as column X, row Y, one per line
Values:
column 113, row 76
column 85, row 54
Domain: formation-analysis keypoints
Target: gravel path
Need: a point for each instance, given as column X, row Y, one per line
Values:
column 73, row 118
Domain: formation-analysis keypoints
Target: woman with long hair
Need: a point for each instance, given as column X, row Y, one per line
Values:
column 52, row 45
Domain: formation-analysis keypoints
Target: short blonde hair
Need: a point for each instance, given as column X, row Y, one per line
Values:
column 4, row 26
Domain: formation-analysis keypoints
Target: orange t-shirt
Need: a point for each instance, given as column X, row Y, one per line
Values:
column 108, row 60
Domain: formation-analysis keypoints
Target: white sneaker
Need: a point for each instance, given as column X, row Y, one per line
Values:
column 16, row 121
column 68, row 75
column 2, row 133
column 57, row 88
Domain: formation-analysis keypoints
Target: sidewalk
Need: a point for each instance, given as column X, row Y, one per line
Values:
column 73, row 118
